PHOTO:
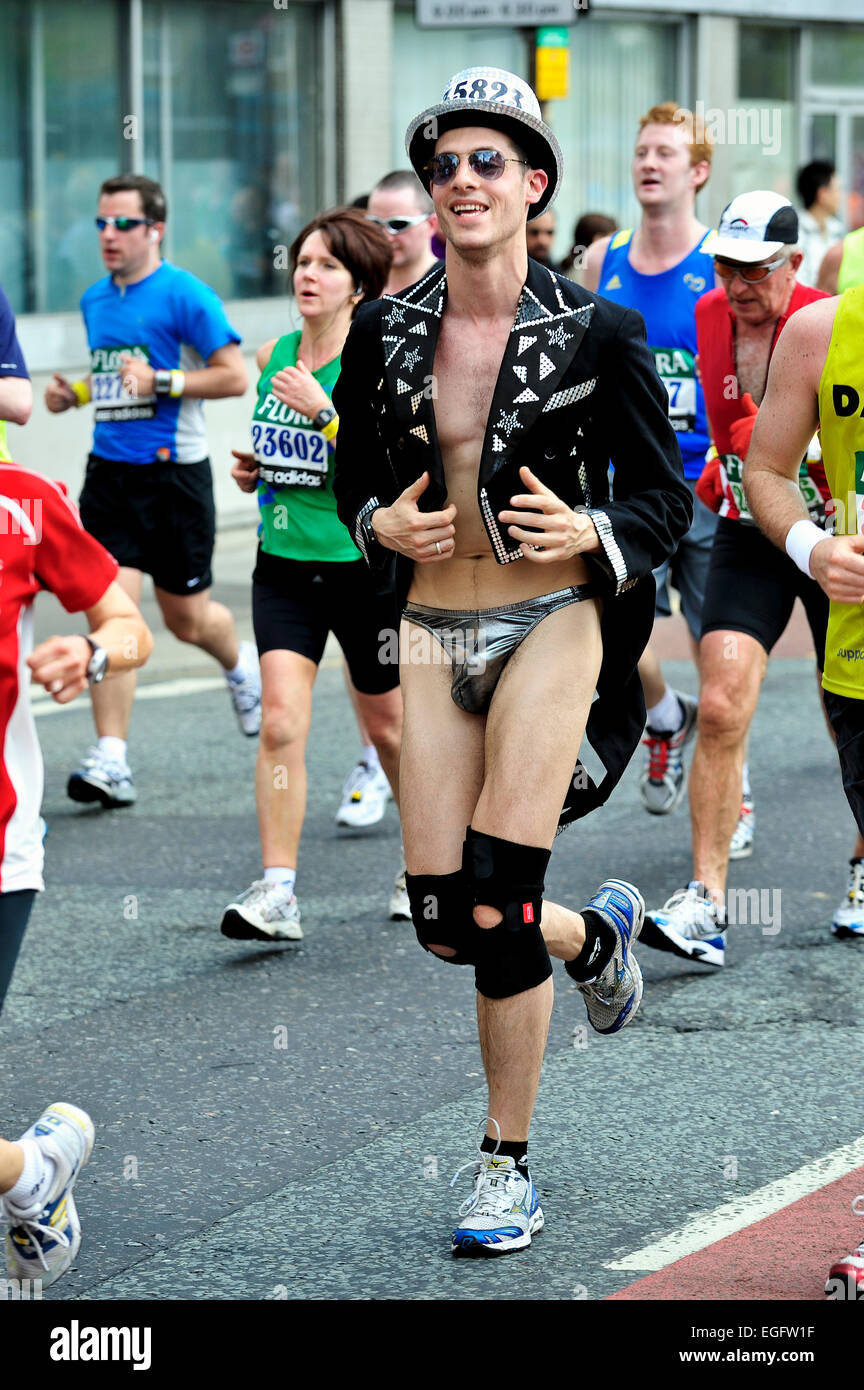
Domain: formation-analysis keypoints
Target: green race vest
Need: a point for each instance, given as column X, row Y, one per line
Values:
column 295, row 461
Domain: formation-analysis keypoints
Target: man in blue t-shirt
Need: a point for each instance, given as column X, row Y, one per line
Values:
column 662, row 269
column 16, row 392
column 160, row 344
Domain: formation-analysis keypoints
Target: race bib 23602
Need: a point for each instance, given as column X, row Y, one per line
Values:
column 289, row 456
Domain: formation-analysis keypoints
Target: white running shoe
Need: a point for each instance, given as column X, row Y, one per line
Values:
column 612, row 998
column 246, row 693
column 664, row 775
column 42, row 1243
column 100, row 779
column 689, row 924
column 502, row 1213
column 364, row 797
column 400, row 907
column 265, row 912
column 741, row 844
column 849, row 917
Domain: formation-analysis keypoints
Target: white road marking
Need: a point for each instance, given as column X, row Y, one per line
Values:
column 744, row 1211
column 160, row 690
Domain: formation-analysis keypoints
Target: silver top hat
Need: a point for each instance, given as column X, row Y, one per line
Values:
column 490, row 97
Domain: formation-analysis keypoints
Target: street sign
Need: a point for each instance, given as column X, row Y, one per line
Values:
column 479, row 14
column 552, row 72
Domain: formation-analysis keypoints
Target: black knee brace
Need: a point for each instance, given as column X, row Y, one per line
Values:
column 442, row 913
column 512, row 956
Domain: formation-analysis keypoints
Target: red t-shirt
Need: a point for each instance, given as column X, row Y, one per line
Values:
column 42, row 546
column 715, row 334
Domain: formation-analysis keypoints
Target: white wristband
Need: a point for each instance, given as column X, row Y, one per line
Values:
column 800, row 542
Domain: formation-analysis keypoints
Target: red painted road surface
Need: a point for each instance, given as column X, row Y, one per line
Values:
column 784, row 1256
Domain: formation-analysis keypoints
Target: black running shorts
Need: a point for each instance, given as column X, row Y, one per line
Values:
column 847, row 721
column 752, row 587
column 156, row 517
column 297, row 603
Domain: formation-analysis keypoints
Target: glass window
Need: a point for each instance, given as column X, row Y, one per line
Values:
column 763, row 141
column 837, row 56
column 766, row 58
column 637, row 61
column 61, row 136
column 823, row 136
column 14, row 261
column 232, row 107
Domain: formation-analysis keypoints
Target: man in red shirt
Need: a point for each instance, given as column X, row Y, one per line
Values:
column 751, row 587
column 44, row 546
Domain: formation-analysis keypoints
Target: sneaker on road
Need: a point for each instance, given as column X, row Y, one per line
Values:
column 246, row 693
column 614, row 996
column 849, row 917
column 265, row 912
column 741, row 844
column 364, row 797
column 42, row 1244
column 400, row 907
column 503, row 1211
column 689, row 924
column 664, row 775
column 100, row 779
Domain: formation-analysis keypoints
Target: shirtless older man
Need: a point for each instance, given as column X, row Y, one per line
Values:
column 478, row 412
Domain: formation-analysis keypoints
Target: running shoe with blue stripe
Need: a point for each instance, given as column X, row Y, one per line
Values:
column 614, row 996
column 849, row 916
column 689, row 924
column 503, row 1211
column 42, row 1243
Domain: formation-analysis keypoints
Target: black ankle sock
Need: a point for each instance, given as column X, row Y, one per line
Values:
column 598, row 950
column 518, row 1151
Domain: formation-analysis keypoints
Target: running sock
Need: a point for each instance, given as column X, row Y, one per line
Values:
column 237, row 674
column 745, row 781
column 599, row 948
column 114, row 749
column 32, row 1187
column 288, row 877
column 667, row 716
column 508, row 1148
column 370, row 757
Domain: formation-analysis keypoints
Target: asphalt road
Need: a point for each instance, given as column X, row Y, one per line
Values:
column 283, row 1121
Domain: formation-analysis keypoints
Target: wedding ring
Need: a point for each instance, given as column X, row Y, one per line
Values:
column 438, row 546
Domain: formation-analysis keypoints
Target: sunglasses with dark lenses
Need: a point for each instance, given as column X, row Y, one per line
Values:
column 489, row 164
column 123, row 224
column 727, row 270
column 395, row 225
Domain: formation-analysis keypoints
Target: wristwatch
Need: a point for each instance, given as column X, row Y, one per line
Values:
column 163, row 381
column 324, row 417
column 98, row 663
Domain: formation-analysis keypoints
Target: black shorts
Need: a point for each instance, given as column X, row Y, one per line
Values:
column 752, row 587
column 847, row 721
column 297, row 603
column 156, row 517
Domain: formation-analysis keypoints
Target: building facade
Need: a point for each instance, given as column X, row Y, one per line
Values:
column 254, row 114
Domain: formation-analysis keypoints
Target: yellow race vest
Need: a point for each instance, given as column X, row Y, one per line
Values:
column 841, row 416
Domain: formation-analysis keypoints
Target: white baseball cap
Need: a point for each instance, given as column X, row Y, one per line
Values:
column 754, row 226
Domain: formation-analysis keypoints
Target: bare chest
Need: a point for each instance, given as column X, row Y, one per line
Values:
column 467, row 363
column 752, row 354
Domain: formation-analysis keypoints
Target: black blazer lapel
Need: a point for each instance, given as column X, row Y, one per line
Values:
column 546, row 335
column 409, row 325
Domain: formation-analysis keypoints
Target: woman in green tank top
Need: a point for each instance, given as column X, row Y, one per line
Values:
column 310, row 578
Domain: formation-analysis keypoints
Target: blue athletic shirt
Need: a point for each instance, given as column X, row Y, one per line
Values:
column 171, row 319
column 667, row 304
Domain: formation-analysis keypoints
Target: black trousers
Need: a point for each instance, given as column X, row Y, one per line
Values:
column 14, row 916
